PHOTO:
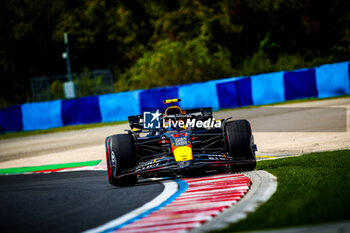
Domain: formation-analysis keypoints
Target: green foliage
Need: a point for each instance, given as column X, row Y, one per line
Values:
column 3, row 103
column 86, row 85
column 172, row 63
column 261, row 63
column 56, row 89
column 311, row 189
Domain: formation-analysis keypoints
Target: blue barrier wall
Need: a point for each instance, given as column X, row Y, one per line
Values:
column 42, row 115
column 333, row 80
column 81, row 111
column 152, row 99
column 244, row 92
column 11, row 119
column 227, row 94
column 268, row 88
column 235, row 93
column 117, row 107
column 300, row 84
column 198, row 95
column 319, row 82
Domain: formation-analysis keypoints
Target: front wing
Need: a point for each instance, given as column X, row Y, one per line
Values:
column 169, row 165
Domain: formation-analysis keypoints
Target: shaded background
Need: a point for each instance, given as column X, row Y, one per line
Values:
column 156, row 43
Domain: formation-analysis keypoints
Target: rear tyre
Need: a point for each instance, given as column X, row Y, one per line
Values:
column 120, row 152
column 239, row 142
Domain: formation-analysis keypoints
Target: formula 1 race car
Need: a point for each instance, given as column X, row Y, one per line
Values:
column 178, row 142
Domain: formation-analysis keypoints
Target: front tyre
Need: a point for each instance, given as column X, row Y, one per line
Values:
column 239, row 142
column 120, row 155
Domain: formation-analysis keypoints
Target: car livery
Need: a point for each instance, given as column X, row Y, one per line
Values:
column 161, row 144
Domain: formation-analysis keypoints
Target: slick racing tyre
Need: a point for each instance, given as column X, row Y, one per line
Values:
column 239, row 142
column 121, row 155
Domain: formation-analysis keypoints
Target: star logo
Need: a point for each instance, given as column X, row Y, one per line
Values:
column 156, row 115
column 151, row 120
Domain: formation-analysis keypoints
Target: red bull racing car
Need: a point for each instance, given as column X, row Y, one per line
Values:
column 178, row 142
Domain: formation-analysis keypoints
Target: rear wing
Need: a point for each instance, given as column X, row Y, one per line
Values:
column 137, row 121
column 201, row 113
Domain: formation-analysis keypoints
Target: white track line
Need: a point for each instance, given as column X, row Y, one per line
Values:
column 170, row 188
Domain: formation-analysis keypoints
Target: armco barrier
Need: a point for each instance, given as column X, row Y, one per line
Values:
column 320, row 82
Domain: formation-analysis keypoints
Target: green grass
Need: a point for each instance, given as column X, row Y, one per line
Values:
column 17, row 170
column 55, row 130
column 313, row 188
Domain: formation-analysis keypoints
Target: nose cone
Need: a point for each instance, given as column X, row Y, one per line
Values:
column 183, row 155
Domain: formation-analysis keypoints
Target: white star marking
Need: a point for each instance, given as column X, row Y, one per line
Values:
column 155, row 115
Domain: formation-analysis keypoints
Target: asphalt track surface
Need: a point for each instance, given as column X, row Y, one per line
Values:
column 66, row 202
